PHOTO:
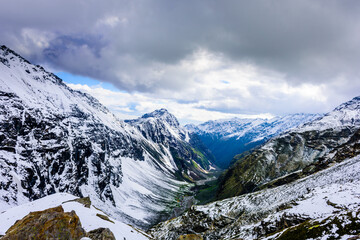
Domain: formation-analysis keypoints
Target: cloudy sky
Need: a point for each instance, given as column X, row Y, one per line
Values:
column 202, row 59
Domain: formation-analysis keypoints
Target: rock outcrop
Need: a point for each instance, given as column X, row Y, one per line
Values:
column 52, row 223
column 101, row 234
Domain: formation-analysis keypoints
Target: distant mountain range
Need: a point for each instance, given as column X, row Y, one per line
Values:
column 227, row 138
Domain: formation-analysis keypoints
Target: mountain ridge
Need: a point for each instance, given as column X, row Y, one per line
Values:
column 227, row 138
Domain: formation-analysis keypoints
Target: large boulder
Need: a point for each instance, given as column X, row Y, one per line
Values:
column 52, row 223
column 101, row 234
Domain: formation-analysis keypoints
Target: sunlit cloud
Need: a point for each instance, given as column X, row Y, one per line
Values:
column 132, row 105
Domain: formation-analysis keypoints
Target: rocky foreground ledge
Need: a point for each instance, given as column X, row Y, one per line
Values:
column 54, row 223
column 63, row 216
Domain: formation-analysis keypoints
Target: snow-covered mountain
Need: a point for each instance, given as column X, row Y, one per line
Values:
column 54, row 139
column 310, row 147
column 226, row 138
column 169, row 138
column 302, row 184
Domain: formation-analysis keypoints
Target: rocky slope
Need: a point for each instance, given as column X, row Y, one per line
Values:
column 227, row 138
column 324, row 205
column 54, row 139
column 309, row 148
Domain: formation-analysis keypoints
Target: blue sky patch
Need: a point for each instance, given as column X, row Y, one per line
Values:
column 76, row 79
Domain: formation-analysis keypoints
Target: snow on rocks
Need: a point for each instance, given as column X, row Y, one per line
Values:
column 89, row 217
column 318, row 196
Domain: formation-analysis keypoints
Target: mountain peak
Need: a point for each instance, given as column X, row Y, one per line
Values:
column 4, row 48
column 157, row 113
column 353, row 104
column 5, row 51
column 164, row 115
column 346, row 114
column 40, row 89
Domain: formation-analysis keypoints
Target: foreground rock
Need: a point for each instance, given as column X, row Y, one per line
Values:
column 101, row 234
column 190, row 237
column 90, row 216
column 52, row 223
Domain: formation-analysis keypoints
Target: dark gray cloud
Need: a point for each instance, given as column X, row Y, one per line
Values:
column 139, row 45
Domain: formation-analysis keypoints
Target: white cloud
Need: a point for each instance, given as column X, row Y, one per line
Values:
column 111, row 21
column 214, row 82
column 216, row 88
column 133, row 105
